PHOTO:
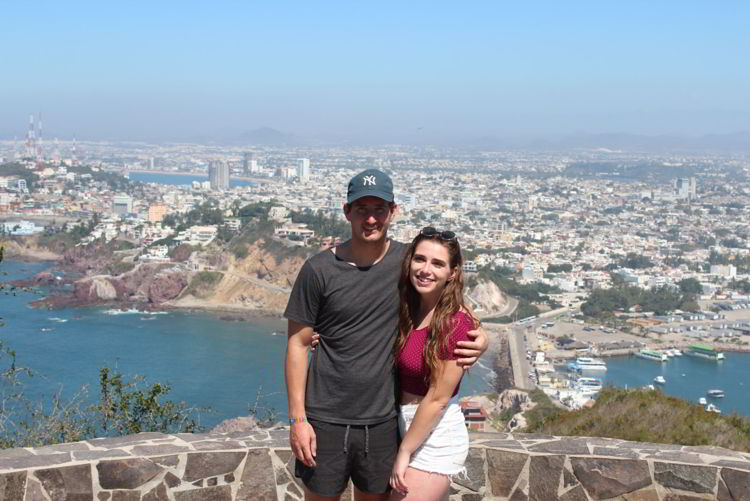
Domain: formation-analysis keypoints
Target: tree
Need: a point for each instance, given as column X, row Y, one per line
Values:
column 690, row 286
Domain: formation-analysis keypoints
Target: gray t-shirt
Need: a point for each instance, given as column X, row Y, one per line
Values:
column 351, row 376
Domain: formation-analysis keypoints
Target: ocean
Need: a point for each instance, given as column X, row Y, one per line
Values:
column 689, row 378
column 180, row 179
column 209, row 362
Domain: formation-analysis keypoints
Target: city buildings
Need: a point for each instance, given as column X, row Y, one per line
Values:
column 218, row 175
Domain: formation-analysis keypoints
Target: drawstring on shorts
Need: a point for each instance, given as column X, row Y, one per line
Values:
column 367, row 439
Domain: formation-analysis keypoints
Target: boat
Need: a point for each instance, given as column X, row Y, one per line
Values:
column 588, row 385
column 654, row 355
column 705, row 351
column 715, row 393
column 660, row 380
column 702, row 401
column 676, row 352
column 587, row 364
column 713, row 408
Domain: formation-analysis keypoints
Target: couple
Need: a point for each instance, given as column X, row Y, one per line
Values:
column 384, row 311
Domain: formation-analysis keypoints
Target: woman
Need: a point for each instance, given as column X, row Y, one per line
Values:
column 432, row 320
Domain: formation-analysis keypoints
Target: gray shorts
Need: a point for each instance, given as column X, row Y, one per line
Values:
column 363, row 453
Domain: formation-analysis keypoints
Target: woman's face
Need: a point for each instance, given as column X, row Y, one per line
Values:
column 430, row 269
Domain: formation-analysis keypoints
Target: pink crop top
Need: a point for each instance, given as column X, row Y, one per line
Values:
column 413, row 373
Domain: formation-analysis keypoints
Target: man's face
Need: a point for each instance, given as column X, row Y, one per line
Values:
column 370, row 218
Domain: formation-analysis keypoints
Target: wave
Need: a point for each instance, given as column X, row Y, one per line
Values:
column 58, row 319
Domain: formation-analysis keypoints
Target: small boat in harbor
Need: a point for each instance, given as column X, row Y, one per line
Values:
column 703, row 401
column 660, row 380
column 587, row 364
column 715, row 393
column 713, row 408
column 655, row 355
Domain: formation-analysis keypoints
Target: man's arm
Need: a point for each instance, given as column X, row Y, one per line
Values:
column 470, row 351
column 301, row 434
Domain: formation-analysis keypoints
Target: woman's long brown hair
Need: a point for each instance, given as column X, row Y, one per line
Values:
column 451, row 302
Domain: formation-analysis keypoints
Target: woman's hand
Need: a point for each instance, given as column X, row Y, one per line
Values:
column 398, row 473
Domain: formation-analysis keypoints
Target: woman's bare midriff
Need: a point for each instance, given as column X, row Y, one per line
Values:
column 410, row 398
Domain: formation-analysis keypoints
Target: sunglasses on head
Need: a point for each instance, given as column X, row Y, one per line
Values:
column 429, row 231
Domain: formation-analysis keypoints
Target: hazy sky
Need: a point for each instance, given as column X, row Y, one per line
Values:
column 151, row 70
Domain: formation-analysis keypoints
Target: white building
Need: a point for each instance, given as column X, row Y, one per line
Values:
column 303, row 169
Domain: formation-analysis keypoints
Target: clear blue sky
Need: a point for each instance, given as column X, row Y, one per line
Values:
column 132, row 70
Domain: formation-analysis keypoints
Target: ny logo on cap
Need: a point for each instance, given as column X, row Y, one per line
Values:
column 368, row 181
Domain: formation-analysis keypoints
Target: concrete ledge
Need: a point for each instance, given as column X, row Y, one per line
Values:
column 260, row 466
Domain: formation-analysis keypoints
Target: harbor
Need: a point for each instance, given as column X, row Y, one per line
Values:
column 572, row 361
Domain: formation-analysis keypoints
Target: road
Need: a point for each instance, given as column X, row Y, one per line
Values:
column 518, row 360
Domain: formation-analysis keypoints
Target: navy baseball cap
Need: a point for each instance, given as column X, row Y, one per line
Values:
column 370, row 183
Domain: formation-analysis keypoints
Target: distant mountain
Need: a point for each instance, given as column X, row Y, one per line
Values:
column 266, row 136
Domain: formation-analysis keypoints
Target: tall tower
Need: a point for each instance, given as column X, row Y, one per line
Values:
column 30, row 140
column 39, row 151
column 74, row 159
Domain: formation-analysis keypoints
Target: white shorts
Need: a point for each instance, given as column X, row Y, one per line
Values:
column 445, row 449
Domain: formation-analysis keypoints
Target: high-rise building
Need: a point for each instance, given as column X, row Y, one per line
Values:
column 303, row 169
column 122, row 204
column 218, row 175
column 156, row 213
column 247, row 157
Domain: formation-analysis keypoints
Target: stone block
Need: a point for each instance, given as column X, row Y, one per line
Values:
column 566, row 445
column 740, row 465
column 219, row 493
column 34, row 491
column 93, row 455
column 575, row 494
column 474, row 470
column 519, row 495
column 699, row 479
column 737, row 483
column 615, row 452
column 471, row 497
column 71, row 483
column 126, row 439
column 16, row 452
column 673, row 496
column 168, row 461
column 211, row 464
column 104, row 496
column 171, row 479
column 544, row 476
column 51, row 449
column 604, row 478
column 257, row 481
column 158, row 450
column 647, row 494
column 24, row 462
column 158, row 493
column 121, row 495
column 503, row 469
column 722, row 493
column 126, row 473
column 209, row 445
column 12, row 485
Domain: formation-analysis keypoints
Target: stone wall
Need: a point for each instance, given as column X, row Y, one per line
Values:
column 260, row 466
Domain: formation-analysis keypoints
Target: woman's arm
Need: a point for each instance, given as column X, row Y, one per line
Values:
column 428, row 413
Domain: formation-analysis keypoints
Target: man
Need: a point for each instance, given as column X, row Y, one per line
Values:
column 342, row 410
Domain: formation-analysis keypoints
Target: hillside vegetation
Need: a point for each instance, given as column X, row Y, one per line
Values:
column 646, row 416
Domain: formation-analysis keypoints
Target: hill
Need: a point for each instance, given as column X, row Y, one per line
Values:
column 643, row 416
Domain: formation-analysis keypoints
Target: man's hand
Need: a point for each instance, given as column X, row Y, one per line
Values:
column 304, row 443
column 470, row 351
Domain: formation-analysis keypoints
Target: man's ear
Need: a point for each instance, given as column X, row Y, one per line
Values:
column 347, row 211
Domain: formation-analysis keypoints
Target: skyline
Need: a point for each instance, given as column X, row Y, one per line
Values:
column 417, row 73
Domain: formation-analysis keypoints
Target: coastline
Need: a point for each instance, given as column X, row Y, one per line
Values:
column 14, row 251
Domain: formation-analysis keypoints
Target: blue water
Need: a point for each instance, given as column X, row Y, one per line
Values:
column 689, row 378
column 208, row 362
column 180, row 179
